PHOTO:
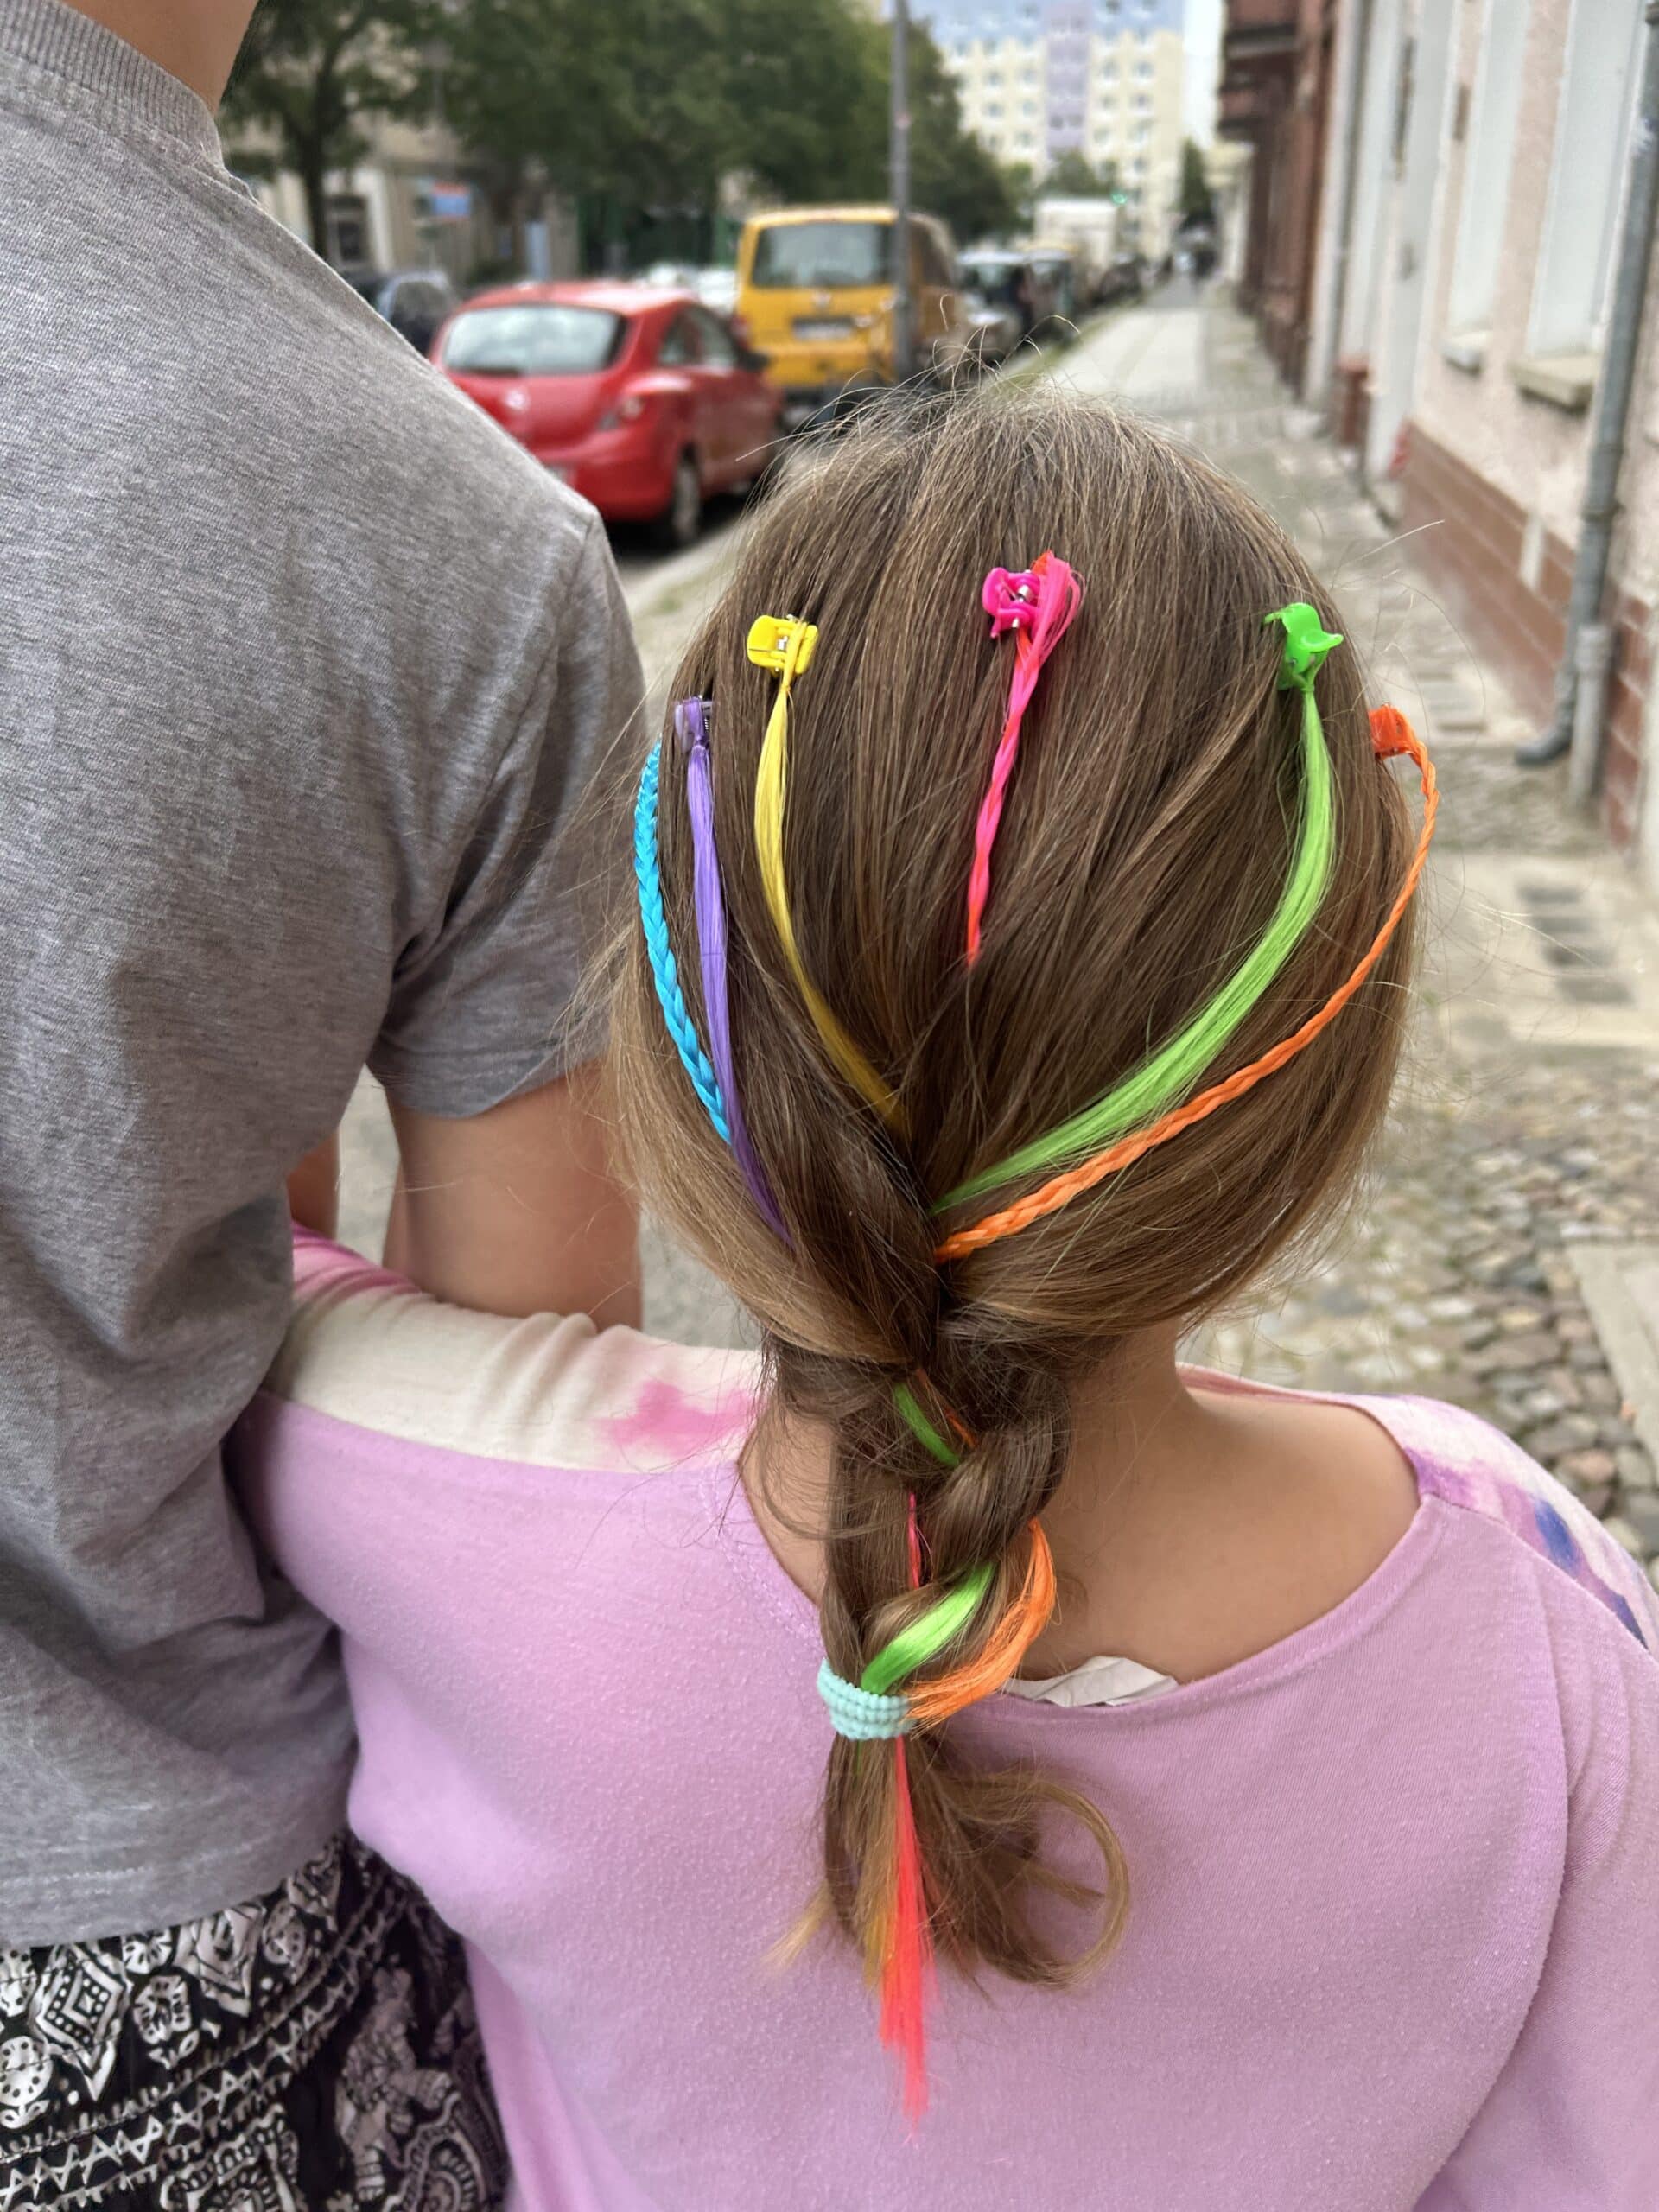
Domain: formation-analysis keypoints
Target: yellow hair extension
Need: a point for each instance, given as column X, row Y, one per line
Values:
column 785, row 647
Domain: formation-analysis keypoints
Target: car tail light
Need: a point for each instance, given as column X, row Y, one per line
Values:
column 628, row 408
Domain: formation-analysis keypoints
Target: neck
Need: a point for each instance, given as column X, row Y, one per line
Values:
column 195, row 40
column 1136, row 1422
column 1194, row 1526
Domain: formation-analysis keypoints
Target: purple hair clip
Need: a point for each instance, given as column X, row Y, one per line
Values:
column 691, row 719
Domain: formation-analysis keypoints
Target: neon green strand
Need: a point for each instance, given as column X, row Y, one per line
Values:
column 914, row 1646
column 1175, row 1069
column 921, row 1427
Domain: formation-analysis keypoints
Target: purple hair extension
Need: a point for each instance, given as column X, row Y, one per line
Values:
column 691, row 718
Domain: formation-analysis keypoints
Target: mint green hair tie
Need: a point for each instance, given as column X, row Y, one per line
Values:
column 861, row 1715
column 1173, row 1071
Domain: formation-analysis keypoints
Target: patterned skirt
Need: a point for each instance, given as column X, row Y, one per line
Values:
column 314, row 2049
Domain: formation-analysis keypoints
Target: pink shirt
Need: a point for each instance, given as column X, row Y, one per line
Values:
column 1394, row 1938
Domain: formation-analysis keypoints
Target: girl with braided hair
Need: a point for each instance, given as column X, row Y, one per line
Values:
column 960, row 1758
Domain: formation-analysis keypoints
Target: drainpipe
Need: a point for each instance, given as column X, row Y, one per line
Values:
column 1587, row 657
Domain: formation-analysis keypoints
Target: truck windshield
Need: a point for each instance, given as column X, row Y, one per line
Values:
column 793, row 257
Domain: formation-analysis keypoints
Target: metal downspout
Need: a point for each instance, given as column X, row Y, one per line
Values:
column 1582, row 650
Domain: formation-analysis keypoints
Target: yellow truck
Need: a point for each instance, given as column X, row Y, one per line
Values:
column 815, row 292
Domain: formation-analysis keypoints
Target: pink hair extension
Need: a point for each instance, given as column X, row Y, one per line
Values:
column 1038, row 605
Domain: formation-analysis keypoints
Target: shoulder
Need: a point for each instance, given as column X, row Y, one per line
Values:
column 367, row 1350
column 281, row 367
column 380, row 418
column 1475, row 1469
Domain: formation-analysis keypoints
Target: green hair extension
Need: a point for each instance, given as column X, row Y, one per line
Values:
column 914, row 1646
column 1177, row 1066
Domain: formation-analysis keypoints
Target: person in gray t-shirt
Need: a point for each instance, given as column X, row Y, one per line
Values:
column 302, row 665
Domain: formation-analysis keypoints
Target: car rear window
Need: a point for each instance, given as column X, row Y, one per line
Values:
column 533, row 340
column 822, row 256
column 997, row 280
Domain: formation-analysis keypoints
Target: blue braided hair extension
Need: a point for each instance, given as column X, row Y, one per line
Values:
column 676, row 1015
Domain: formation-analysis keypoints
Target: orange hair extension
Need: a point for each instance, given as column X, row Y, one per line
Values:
column 1007, row 1645
column 1391, row 733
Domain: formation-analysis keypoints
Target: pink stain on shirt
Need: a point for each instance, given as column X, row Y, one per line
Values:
column 670, row 1423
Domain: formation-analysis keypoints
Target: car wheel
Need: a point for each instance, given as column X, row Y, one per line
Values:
column 680, row 524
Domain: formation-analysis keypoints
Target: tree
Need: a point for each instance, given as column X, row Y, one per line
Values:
column 641, row 109
column 309, row 69
column 814, row 132
column 1196, row 202
column 1076, row 177
column 644, row 109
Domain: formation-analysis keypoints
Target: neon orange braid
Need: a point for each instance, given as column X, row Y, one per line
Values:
column 1391, row 733
column 1005, row 1646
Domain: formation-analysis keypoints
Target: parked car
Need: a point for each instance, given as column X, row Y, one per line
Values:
column 1056, row 275
column 1125, row 278
column 815, row 293
column 642, row 400
column 413, row 301
column 998, row 296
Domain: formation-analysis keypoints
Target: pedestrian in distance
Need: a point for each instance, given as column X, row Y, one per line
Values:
column 302, row 666
column 963, row 1758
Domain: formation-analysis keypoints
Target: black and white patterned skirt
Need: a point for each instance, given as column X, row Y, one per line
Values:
column 315, row 2049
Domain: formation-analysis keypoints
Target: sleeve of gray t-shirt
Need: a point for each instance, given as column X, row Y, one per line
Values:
column 485, row 1001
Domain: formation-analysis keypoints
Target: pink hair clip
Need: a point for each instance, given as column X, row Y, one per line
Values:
column 1038, row 605
column 1009, row 598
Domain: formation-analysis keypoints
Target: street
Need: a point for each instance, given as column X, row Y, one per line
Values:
column 1505, row 1254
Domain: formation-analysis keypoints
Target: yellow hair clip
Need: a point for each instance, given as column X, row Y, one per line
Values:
column 770, row 639
column 785, row 646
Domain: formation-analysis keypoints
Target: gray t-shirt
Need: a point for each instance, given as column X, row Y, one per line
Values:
column 302, row 664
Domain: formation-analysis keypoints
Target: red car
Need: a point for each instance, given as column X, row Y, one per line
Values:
column 641, row 399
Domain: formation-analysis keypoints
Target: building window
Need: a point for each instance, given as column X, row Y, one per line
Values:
column 1486, row 169
column 1592, row 122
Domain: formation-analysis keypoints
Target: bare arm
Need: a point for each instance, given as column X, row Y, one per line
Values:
column 314, row 1188
column 515, row 1210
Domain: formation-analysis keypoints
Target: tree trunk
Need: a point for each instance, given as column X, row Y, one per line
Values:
column 313, row 171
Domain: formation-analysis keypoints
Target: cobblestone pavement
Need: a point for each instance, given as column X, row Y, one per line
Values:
column 1529, row 1123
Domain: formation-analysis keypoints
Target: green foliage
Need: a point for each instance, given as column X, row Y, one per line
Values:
column 642, row 110
column 1075, row 177
column 308, row 69
column 639, row 111
column 1196, row 202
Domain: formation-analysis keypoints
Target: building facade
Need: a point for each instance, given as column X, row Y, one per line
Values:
column 414, row 201
column 1102, row 78
column 1274, row 100
column 1470, row 191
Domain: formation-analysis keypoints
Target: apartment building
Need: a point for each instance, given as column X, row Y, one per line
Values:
column 1103, row 78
